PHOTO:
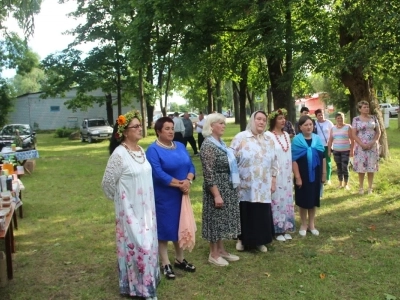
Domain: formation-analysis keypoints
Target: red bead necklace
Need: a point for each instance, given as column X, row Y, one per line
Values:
column 279, row 141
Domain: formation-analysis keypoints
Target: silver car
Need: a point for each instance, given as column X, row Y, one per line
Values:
column 95, row 129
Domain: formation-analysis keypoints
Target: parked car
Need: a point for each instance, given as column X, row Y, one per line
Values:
column 8, row 136
column 393, row 110
column 95, row 129
column 192, row 116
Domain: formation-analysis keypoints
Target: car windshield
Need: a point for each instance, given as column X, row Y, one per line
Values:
column 10, row 130
column 93, row 123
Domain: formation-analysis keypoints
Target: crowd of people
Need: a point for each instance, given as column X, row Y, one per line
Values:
column 250, row 187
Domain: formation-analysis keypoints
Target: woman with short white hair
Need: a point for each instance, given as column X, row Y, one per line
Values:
column 221, row 216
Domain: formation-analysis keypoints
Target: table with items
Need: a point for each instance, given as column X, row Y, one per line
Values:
column 21, row 156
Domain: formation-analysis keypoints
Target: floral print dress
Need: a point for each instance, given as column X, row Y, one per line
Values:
column 218, row 223
column 282, row 199
column 129, row 184
column 365, row 160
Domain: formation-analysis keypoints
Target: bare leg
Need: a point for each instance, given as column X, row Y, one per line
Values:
column 163, row 251
column 311, row 218
column 370, row 180
column 178, row 252
column 214, row 251
column 303, row 218
column 361, row 180
column 221, row 248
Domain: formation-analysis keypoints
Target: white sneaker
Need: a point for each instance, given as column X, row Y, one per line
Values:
column 262, row 248
column 239, row 245
column 287, row 236
column 347, row 188
column 281, row 238
column 314, row 232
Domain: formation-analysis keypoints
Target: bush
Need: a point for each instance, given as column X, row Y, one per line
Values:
column 63, row 132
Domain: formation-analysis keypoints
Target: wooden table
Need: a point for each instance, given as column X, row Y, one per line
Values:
column 8, row 236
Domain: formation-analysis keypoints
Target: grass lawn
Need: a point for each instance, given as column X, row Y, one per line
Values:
column 66, row 249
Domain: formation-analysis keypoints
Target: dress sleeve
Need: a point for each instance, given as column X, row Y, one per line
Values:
column 157, row 171
column 112, row 174
column 208, row 159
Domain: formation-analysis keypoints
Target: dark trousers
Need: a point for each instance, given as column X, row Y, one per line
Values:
column 342, row 163
column 178, row 137
column 191, row 141
column 200, row 139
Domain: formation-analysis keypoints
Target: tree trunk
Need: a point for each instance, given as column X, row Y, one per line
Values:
column 219, row 96
column 362, row 89
column 148, row 96
column 269, row 100
column 210, row 101
column 109, row 109
column 281, row 96
column 243, row 96
column 250, row 98
column 142, row 102
column 236, row 105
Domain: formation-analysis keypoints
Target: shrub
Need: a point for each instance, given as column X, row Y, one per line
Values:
column 63, row 132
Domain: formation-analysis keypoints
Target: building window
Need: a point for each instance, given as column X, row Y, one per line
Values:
column 54, row 108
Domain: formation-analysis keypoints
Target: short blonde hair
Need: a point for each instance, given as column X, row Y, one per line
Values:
column 361, row 103
column 211, row 119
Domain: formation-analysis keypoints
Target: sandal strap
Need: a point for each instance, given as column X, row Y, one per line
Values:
column 185, row 265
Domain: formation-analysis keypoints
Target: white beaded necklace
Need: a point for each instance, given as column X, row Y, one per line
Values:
column 173, row 146
column 134, row 156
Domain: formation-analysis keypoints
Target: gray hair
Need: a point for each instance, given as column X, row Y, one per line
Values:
column 211, row 119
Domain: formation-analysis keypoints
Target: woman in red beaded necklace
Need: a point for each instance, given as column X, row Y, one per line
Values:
column 282, row 199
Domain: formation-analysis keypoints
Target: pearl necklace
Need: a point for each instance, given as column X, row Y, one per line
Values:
column 142, row 157
column 173, row 146
column 279, row 141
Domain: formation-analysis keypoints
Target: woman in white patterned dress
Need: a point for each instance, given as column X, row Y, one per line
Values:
column 128, row 182
column 282, row 200
column 255, row 154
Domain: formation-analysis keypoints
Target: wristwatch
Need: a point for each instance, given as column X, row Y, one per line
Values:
column 190, row 180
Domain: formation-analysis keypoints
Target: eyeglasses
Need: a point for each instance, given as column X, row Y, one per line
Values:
column 135, row 126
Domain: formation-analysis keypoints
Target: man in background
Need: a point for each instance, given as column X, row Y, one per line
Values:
column 179, row 128
column 199, row 129
column 188, row 136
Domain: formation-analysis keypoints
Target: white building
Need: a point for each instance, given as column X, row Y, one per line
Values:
column 51, row 113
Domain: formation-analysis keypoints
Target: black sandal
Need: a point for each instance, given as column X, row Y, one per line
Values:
column 168, row 272
column 184, row 265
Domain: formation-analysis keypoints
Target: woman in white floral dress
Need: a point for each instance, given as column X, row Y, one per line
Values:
column 128, row 182
column 282, row 200
column 257, row 164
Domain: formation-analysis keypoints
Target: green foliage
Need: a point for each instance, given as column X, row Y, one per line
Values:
column 5, row 102
column 63, row 132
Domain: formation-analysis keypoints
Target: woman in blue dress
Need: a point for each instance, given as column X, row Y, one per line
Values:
column 309, row 171
column 173, row 172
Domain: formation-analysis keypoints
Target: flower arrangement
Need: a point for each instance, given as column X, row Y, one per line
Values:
column 124, row 120
column 275, row 113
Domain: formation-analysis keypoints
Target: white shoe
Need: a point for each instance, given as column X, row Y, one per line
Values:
column 281, row 238
column 220, row 262
column 230, row 257
column 287, row 236
column 314, row 232
column 347, row 188
column 303, row 232
column 239, row 245
column 262, row 248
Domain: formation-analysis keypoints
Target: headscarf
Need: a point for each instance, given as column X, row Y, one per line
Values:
column 234, row 172
column 251, row 126
column 301, row 148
